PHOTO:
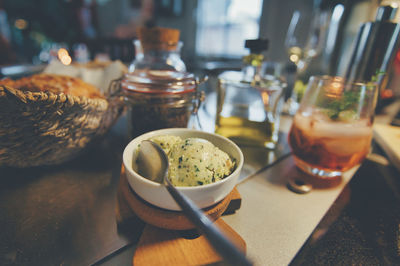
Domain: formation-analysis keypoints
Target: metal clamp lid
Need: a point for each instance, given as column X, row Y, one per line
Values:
column 159, row 81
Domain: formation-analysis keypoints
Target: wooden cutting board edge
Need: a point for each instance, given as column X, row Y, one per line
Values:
column 167, row 247
column 388, row 137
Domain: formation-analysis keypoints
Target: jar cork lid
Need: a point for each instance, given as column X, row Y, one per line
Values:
column 158, row 38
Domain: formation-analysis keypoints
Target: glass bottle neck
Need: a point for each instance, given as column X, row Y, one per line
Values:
column 252, row 67
column 157, row 54
column 161, row 58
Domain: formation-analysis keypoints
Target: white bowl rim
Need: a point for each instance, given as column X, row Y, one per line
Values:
column 148, row 135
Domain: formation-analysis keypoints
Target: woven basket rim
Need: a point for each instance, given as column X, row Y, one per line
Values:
column 58, row 126
column 50, row 97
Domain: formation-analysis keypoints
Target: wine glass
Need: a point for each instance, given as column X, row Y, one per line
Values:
column 305, row 38
column 304, row 41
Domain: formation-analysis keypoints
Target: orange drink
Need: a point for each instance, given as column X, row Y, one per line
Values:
column 332, row 130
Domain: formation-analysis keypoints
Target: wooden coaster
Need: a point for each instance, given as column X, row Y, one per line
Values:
column 167, row 219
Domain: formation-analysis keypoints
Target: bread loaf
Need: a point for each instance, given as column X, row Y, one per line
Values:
column 54, row 83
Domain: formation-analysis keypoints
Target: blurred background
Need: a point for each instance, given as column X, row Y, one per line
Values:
column 213, row 32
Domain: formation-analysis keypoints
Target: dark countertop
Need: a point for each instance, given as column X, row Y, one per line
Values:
column 65, row 215
column 362, row 227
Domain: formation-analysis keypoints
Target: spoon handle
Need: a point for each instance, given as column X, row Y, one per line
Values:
column 216, row 238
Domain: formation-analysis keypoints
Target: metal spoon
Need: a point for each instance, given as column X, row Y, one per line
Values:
column 153, row 164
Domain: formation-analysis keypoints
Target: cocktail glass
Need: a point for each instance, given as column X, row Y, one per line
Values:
column 332, row 129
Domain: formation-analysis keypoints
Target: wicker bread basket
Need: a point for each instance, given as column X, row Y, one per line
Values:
column 43, row 128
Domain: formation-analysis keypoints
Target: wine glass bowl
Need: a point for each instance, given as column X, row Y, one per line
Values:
column 305, row 37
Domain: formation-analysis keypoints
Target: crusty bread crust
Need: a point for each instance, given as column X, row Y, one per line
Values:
column 55, row 84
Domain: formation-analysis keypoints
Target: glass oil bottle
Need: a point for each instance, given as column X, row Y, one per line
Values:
column 249, row 102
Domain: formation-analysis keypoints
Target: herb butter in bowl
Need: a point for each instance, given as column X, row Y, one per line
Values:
column 203, row 166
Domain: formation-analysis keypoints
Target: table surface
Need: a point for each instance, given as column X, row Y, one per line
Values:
column 65, row 214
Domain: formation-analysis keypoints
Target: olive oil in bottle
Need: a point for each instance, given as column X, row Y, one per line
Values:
column 245, row 131
column 249, row 102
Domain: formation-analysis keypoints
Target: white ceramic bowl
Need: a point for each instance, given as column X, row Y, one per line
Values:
column 203, row 196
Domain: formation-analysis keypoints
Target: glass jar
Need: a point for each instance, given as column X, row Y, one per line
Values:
column 161, row 99
column 158, row 91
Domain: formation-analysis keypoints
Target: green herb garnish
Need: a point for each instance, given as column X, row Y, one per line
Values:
column 345, row 108
column 196, row 168
column 378, row 73
column 347, row 102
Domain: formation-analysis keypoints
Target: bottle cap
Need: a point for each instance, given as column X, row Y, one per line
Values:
column 386, row 12
column 257, row 46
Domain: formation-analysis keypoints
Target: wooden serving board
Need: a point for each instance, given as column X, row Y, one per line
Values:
column 167, row 247
column 158, row 244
